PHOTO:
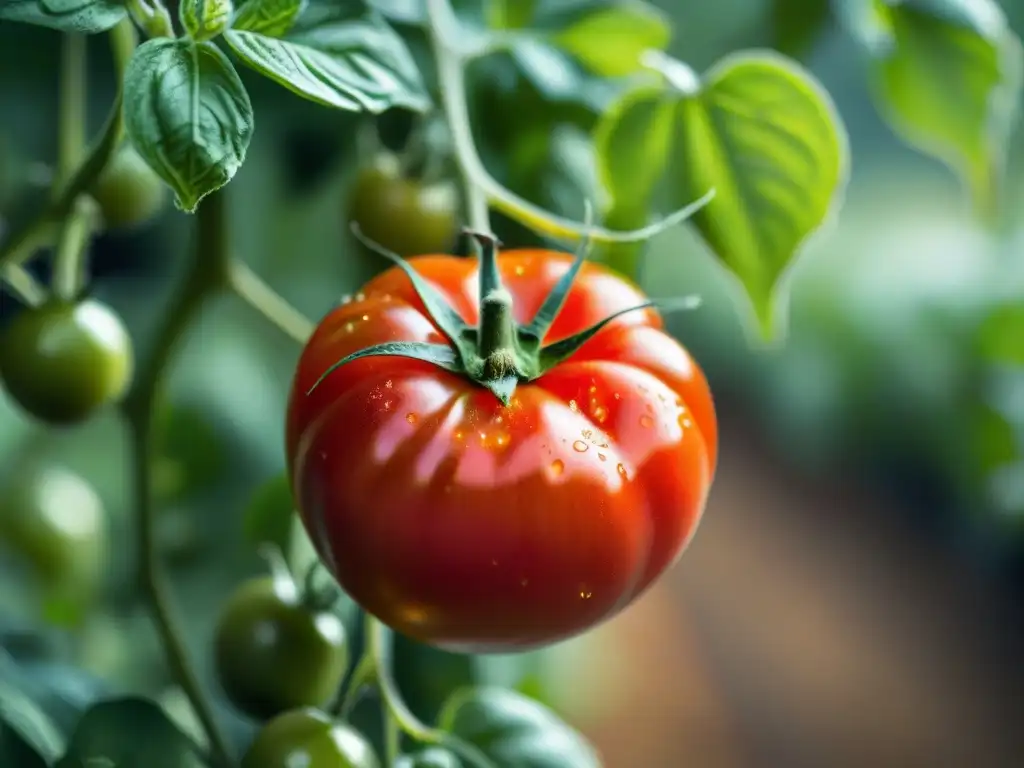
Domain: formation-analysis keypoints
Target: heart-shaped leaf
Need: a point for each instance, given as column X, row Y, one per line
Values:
column 188, row 115
column 760, row 132
column 947, row 77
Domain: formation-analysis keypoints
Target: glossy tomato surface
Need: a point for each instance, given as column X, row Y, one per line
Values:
column 486, row 528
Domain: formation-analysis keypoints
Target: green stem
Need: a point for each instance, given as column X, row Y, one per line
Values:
column 23, row 285
column 453, row 95
column 378, row 649
column 123, row 39
column 205, row 277
column 497, row 326
column 72, row 109
column 69, row 260
column 249, row 287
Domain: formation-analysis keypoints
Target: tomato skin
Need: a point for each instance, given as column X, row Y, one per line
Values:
column 128, row 191
column 482, row 528
column 404, row 215
column 308, row 738
column 62, row 361
column 274, row 654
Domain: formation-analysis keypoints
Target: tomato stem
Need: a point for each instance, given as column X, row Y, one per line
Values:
column 497, row 335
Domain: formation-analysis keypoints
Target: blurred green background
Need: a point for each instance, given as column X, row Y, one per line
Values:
column 854, row 594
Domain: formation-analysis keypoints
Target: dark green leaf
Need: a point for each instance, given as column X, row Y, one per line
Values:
column 427, row 675
column 1001, row 336
column 24, row 728
column 514, row 731
column 85, row 16
column 435, row 757
column 188, row 115
column 272, row 18
column 270, row 516
column 356, row 64
column 611, row 40
column 761, row 133
column 440, row 355
column 205, row 19
column 796, row 23
column 947, row 78
column 130, row 733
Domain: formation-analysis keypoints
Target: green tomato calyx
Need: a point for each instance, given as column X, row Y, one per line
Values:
column 498, row 353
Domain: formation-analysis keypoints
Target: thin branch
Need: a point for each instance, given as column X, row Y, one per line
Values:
column 252, row 289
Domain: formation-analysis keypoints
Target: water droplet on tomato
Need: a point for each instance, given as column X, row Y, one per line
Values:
column 600, row 414
column 557, row 467
column 579, row 446
column 349, row 327
column 617, row 396
column 389, row 384
column 573, row 407
column 585, row 592
column 684, row 421
column 622, row 471
column 588, row 434
column 412, row 418
column 646, row 421
column 524, row 581
column 520, row 270
column 602, row 457
column 459, row 435
column 360, row 296
column 365, row 318
column 346, row 299
column 650, row 407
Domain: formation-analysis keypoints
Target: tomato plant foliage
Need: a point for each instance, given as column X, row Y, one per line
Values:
column 486, row 453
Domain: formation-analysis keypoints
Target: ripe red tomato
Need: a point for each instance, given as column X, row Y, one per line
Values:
column 482, row 527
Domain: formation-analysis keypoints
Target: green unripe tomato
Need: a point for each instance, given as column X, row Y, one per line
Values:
column 308, row 738
column 128, row 191
column 404, row 215
column 54, row 521
column 273, row 653
column 62, row 361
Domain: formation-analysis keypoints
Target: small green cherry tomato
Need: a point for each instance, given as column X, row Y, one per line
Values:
column 402, row 214
column 62, row 361
column 273, row 653
column 128, row 191
column 55, row 522
column 308, row 738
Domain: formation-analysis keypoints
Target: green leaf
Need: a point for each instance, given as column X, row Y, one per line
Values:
column 356, row 64
column 796, row 23
column 510, row 14
column 427, row 675
column 272, row 18
column 610, row 41
column 270, row 514
column 514, row 731
column 1001, row 336
column 188, row 115
column 129, row 733
column 25, row 730
column 760, row 132
column 947, row 77
column 85, row 16
column 205, row 19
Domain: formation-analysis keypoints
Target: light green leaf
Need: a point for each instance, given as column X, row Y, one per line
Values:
column 611, row 40
column 29, row 729
column 188, row 115
column 761, row 132
column 129, row 732
column 357, row 64
column 85, row 16
column 514, row 731
column 272, row 18
column 205, row 19
column 947, row 77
